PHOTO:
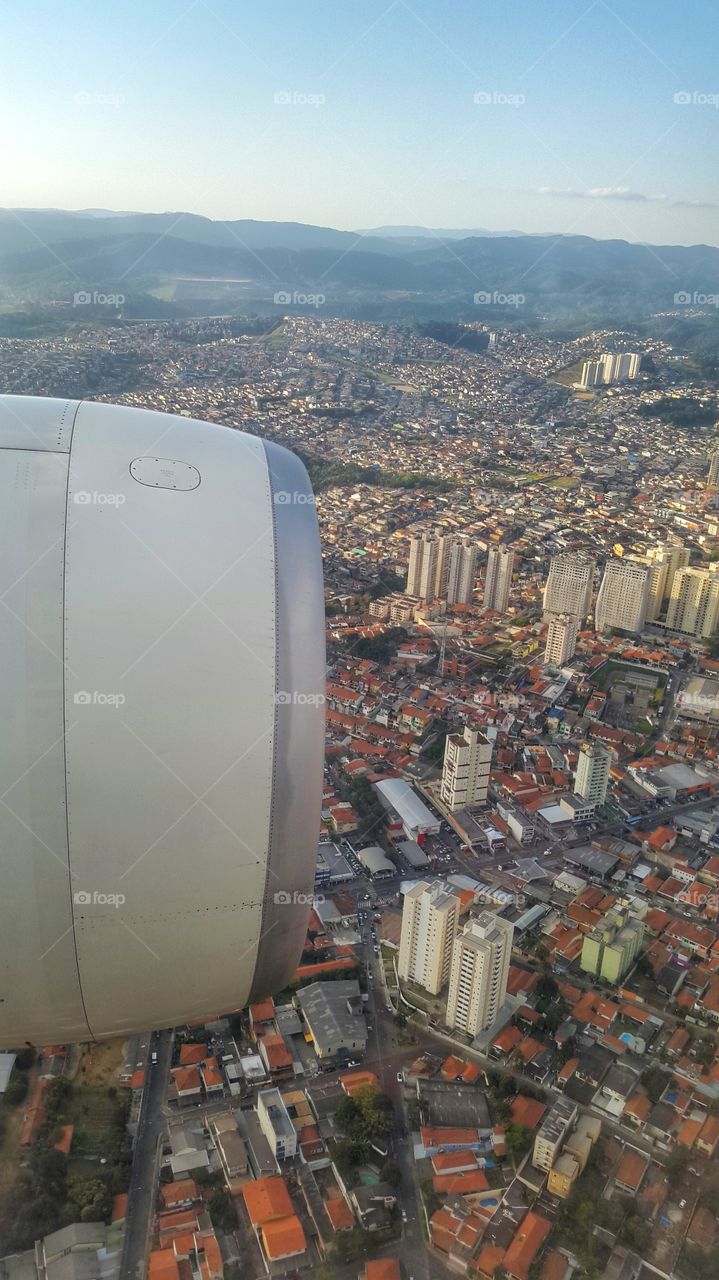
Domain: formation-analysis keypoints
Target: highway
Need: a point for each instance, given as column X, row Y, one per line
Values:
column 143, row 1180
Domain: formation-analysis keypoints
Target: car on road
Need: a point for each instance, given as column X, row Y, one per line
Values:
column 404, row 1215
column 400, row 1078
column 153, row 1058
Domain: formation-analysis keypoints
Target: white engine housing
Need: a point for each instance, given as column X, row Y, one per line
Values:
column 162, row 724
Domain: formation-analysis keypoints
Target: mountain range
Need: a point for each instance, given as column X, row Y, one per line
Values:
column 42, row 249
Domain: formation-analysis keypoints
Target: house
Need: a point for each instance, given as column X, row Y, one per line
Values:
column 630, row 1174
column 526, row 1243
column 381, row 1269
column 272, row 1215
column 372, row 1204
column 708, row 1136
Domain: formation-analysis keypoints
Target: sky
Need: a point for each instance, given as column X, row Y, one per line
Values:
column 574, row 116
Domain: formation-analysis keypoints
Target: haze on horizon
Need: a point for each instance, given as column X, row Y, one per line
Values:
column 585, row 118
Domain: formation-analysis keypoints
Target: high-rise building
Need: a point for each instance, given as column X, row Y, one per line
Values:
column 430, row 918
column 422, row 570
column 441, row 566
column 675, row 555
column 498, row 579
column 592, row 373
column 612, row 366
column 462, row 570
column 592, row 780
column 569, row 585
column 561, row 638
column 623, row 595
column 713, row 476
column 694, row 601
column 465, row 772
column 611, row 948
column 479, row 971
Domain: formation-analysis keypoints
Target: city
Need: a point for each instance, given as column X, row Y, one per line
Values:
column 359, row 640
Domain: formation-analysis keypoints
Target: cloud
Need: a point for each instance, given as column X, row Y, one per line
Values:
column 599, row 193
column 622, row 193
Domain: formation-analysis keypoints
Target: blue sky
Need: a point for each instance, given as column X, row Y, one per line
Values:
column 537, row 115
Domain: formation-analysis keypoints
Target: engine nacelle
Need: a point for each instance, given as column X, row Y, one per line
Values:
column 161, row 718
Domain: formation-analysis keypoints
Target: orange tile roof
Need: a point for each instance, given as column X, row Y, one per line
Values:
column 339, row 1213
column 187, row 1079
column 283, row 1237
column 358, row 1080
column 382, row 1269
column 192, row 1054
column 632, row 1168
column 450, row 1161
column 489, row 1258
column 527, row 1241
column 119, row 1206
column 466, row 1183
column 445, row 1136
column 164, row 1265
column 64, row 1142
column 266, row 1199
column 689, row 1133
column 527, row 1111
column 172, row 1193
column 263, row 1011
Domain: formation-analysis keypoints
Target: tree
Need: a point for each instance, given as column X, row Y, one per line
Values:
column 655, row 1081
column 390, row 1172
column 677, row 1162
column 16, row 1091
column 222, row 1210
column 519, row 1139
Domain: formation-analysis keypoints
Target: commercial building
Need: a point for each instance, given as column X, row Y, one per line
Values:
column 553, row 1131
column 498, row 578
column 610, row 949
column 561, row 638
column 592, row 780
column 694, row 602
column 479, row 971
column 334, row 1018
column 276, row 1124
column 623, row 596
column 430, row 917
column 465, row 772
column 405, row 807
column 569, row 585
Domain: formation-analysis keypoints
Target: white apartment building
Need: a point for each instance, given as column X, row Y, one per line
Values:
column 430, row 918
column 561, row 638
column 694, row 602
column 713, row 476
column 569, row 585
column 498, row 578
column 479, row 973
column 592, row 780
column 623, row 596
column 422, row 570
column 276, row 1124
column 462, row 571
column 465, row 772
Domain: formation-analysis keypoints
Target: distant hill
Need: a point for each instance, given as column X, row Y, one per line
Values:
column 433, row 233
column 480, row 276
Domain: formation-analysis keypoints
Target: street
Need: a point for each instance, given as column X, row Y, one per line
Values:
column 143, row 1181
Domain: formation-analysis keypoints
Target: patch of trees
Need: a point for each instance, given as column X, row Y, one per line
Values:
column 459, row 336
column 330, row 475
column 378, row 648
column 683, row 411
